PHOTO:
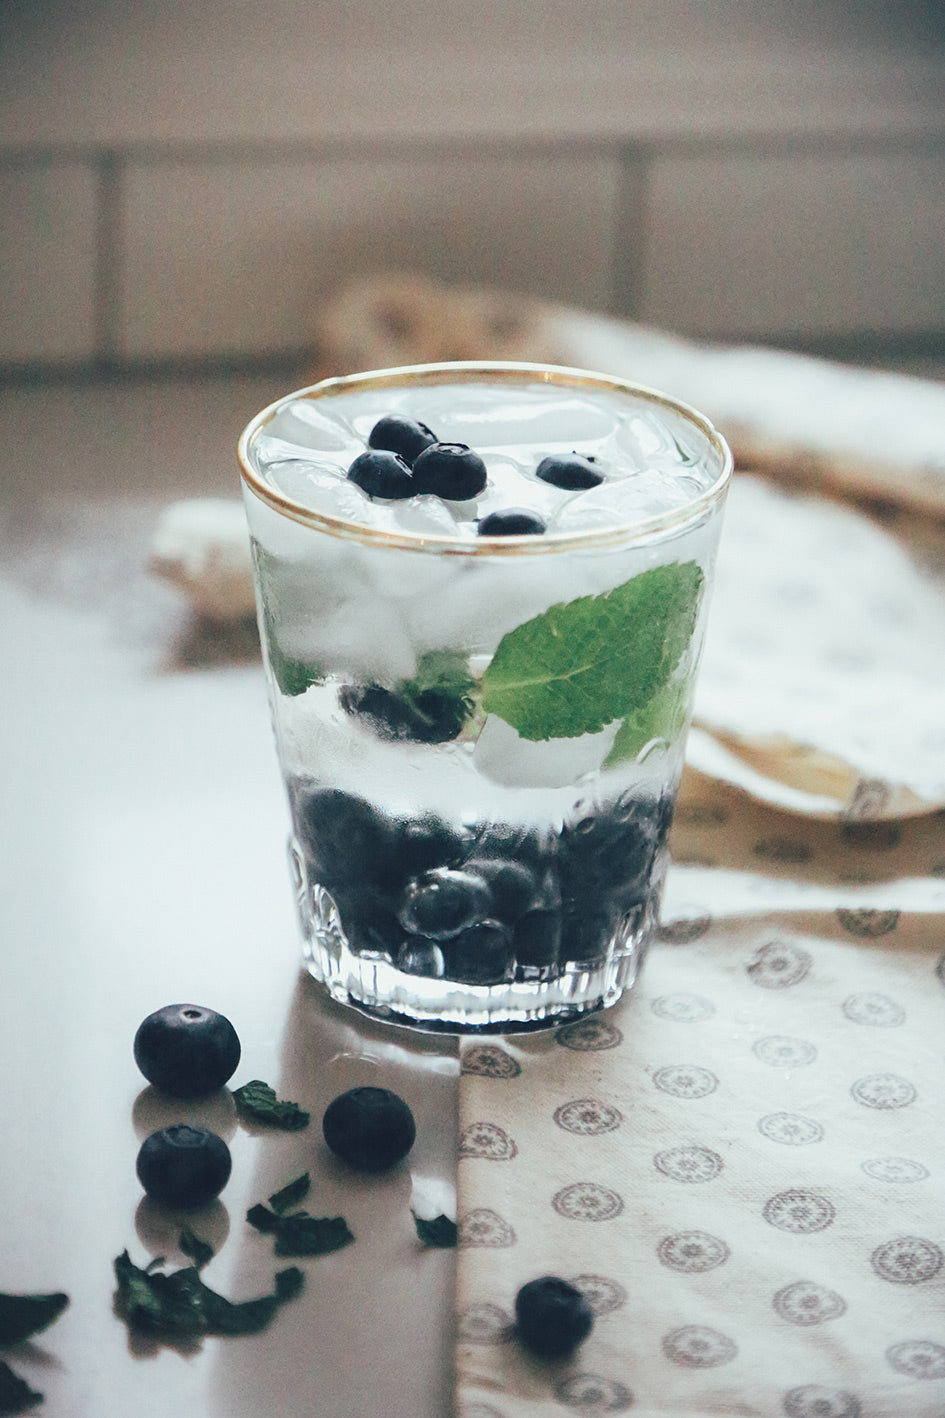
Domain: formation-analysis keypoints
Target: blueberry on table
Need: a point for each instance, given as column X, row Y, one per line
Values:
column 552, row 1317
column 186, row 1050
column 511, row 522
column 572, row 471
column 450, row 470
column 184, row 1167
column 406, row 437
column 382, row 474
column 369, row 1128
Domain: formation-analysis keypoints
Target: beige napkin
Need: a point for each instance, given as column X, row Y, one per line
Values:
column 821, row 689
column 742, row 1163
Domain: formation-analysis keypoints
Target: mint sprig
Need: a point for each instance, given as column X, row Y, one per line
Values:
column 585, row 663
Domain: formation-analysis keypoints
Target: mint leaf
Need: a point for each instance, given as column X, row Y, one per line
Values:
column 290, row 1194
column 292, row 676
column 303, row 1235
column 200, row 1251
column 662, row 717
column 24, row 1315
column 15, row 1393
column 180, row 1306
column 584, row 663
column 441, row 1232
column 256, row 1102
column 263, row 1219
column 300, row 1234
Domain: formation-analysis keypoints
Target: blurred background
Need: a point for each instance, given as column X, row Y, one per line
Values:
column 182, row 183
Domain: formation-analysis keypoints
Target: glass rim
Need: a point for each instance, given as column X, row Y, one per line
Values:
column 662, row 524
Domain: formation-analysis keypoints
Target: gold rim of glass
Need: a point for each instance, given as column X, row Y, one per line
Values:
column 498, row 371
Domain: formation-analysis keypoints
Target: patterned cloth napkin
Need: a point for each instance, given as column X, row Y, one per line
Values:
column 741, row 1164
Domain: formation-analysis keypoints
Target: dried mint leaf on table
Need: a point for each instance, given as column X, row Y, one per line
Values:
column 300, row 1234
column 180, row 1306
column 24, row 1315
column 257, row 1102
column 200, row 1251
column 15, row 1393
column 440, row 1233
column 289, row 1195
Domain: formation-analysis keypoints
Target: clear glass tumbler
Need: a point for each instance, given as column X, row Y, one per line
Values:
column 480, row 724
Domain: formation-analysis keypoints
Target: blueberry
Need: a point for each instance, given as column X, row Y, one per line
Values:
column 480, row 955
column 369, row 923
column 572, row 472
column 369, row 1128
column 407, row 437
column 552, row 1317
column 587, row 929
column 512, row 884
column 418, row 956
column 611, row 847
column 345, row 838
column 451, row 470
column 537, row 938
column 183, row 1167
column 426, row 842
column 511, row 522
column 186, row 1050
column 428, row 717
column 444, row 901
column 382, row 474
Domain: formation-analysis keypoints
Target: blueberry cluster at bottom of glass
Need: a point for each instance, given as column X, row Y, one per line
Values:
column 482, row 903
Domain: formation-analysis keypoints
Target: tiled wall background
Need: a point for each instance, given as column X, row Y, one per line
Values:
column 183, row 183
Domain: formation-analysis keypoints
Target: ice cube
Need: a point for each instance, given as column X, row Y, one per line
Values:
column 311, row 484
column 490, row 417
column 503, row 756
column 304, row 425
column 623, row 500
column 363, row 637
column 425, row 516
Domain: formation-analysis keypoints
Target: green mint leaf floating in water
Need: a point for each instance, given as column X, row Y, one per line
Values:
column 582, row 664
column 199, row 1251
column 256, row 1102
column 441, row 1232
column 180, row 1306
column 662, row 717
column 22, row 1316
column 291, row 1194
column 291, row 675
column 15, row 1393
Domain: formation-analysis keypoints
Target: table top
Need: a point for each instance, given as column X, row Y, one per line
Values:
column 143, row 863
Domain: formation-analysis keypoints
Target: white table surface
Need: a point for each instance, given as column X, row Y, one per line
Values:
column 142, row 862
